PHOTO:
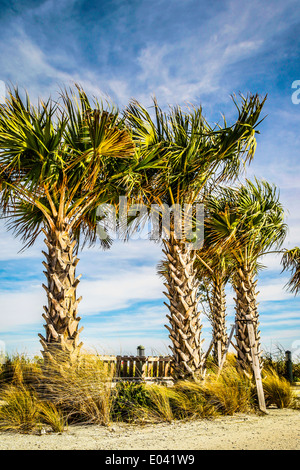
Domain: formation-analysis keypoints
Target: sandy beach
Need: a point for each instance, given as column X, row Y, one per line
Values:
column 279, row 430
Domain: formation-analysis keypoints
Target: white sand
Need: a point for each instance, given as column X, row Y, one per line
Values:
column 279, row 430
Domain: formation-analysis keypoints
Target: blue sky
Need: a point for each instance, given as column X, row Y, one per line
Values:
column 183, row 51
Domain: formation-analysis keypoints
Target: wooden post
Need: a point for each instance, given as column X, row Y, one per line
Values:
column 288, row 366
column 138, row 367
column 155, row 363
column 124, row 369
column 144, row 367
column 256, row 368
column 167, row 368
column 131, row 368
column 226, row 349
column 161, row 367
column 209, row 349
column 118, row 366
column 139, row 364
column 206, row 356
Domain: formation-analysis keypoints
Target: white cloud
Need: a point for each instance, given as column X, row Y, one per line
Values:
column 21, row 308
column 198, row 62
column 273, row 290
column 119, row 290
column 111, row 281
column 29, row 66
column 241, row 49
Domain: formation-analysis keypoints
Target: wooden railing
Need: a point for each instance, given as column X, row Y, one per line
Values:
column 139, row 367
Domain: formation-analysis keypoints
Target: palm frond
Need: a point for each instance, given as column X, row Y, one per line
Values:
column 291, row 262
column 246, row 221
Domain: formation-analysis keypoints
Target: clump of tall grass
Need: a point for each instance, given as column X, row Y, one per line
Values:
column 82, row 390
column 230, row 392
column 276, row 361
column 55, row 392
column 277, row 389
column 226, row 393
column 20, row 370
column 52, row 416
column 141, row 403
column 191, row 402
column 162, row 401
column 21, row 411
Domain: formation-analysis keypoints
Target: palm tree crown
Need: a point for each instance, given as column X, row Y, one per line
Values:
column 194, row 155
column 246, row 222
column 58, row 162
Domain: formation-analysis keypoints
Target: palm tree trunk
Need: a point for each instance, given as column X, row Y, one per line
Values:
column 61, row 313
column 185, row 328
column 219, row 321
column 246, row 311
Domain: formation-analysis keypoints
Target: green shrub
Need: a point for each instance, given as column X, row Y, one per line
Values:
column 128, row 397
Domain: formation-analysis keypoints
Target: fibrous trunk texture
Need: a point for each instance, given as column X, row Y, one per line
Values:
column 61, row 313
column 185, row 328
column 219, row 330
column 246, row 311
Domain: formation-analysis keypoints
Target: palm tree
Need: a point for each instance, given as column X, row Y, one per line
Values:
column 194, row 153
column 245, row 223
column 62, row 161
column 215, row 268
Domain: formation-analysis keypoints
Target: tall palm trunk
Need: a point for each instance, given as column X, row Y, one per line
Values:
column 61, row 313
column 246, row 311
column 185, row 328
column 219, row 320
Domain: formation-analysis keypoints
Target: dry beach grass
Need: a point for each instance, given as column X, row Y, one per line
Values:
column 279, row 430
column 76, row 408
